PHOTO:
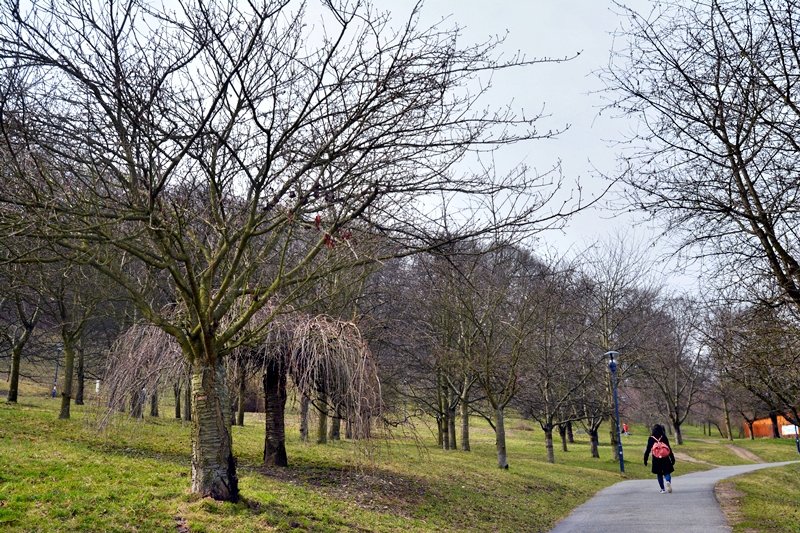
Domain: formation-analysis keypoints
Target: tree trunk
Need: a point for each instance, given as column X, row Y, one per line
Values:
column 187, row 401
column 562, row 432
column 570, row 434
column 464, row 426
column 177, row 388
column 304, row 401
column 13, row 388
column 241, row 397
column 727, row 413
column 322, row 423
column 137, row 403
column 451, row 428
column 213, row 464
column 548, row 443
column 440, row 431
column 678, row 435
column 66, row 389
column 275, row 407
column 500, row 431
column 594, row 441
column 154, row 403
column 80, row 375
column 750, row 427
column 336, row 428
column 776, row 433
column 348, row 428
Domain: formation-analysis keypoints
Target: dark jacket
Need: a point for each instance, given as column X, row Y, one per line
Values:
column 663, row 465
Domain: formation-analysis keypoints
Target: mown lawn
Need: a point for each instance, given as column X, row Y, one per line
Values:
column 134, row 476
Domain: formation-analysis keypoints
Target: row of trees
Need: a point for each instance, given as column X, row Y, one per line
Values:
column 212, row 169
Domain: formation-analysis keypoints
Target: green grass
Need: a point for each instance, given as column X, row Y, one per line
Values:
column 134, row 476
column 770, row 500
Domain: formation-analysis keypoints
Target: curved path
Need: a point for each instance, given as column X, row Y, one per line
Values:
column 637, row 506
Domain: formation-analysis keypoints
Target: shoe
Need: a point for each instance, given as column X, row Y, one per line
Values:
column 669, row 486
column 662, row 491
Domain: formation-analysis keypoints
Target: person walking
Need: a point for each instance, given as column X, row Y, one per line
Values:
column 663, row 458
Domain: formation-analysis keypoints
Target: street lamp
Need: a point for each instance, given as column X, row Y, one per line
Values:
column 612, row 366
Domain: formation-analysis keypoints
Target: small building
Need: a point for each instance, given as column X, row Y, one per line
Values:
column 762, row 428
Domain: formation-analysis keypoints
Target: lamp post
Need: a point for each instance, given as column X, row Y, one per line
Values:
column 612, row 366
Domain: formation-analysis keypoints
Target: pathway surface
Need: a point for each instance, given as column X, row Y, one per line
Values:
column 636, row 505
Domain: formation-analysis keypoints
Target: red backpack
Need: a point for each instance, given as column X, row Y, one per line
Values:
column 660, row 449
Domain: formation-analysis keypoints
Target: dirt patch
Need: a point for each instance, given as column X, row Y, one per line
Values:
column 373, row 489
column 680, row 456
column 730, row 501
column 744, row 454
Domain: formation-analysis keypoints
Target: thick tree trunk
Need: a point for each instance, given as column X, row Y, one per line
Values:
column 13, row 387
column 213, row 464
column 776, row 433
column 275, row 407
column 177, row 388
column 80, row 379
column 241, row 397
column 548, row 443
column 451, row 428
column 464, row 426
column 594, row 441
column 678, row 435
column 750, row 427
column 570, row 434
column 335, row 432
column 66, row 389
column 304, row 401
column 562, row 433
column 500, row 431
column 322, row 422
column 137, row 404
column 348, row 428
column 154, row 403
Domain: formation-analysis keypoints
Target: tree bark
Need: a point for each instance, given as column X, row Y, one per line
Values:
column 727, row 413
column 154, row 403
column 570, row 433
column 594, row 440
column 548, row 443
column 187, row 401
column 66, row 389
column 500, row 430
column 13, row 387
column 80, row 379
column 773, row 417
column 241, row 397
column 464, row 426
column 676, row 427
column 336, row 428
column 137, row 403
column 275, row 407
column 562, row 432
column 451, row 428
column 177, row 388
column 213, row 464
column 322, row 422
column 304, row 401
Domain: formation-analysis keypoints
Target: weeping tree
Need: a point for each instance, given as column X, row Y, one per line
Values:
column 319, row 353
column 224, row 155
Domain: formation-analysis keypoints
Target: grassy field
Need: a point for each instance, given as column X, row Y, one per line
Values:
column 134, row 476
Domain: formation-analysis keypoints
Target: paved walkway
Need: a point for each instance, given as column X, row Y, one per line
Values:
column 637, row 506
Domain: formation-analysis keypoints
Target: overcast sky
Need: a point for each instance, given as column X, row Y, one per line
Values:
column 568, row 91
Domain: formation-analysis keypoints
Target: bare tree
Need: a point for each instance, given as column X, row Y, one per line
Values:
column 227, row 155
column 674, row 362
column 714, row 86
column 20, row 313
